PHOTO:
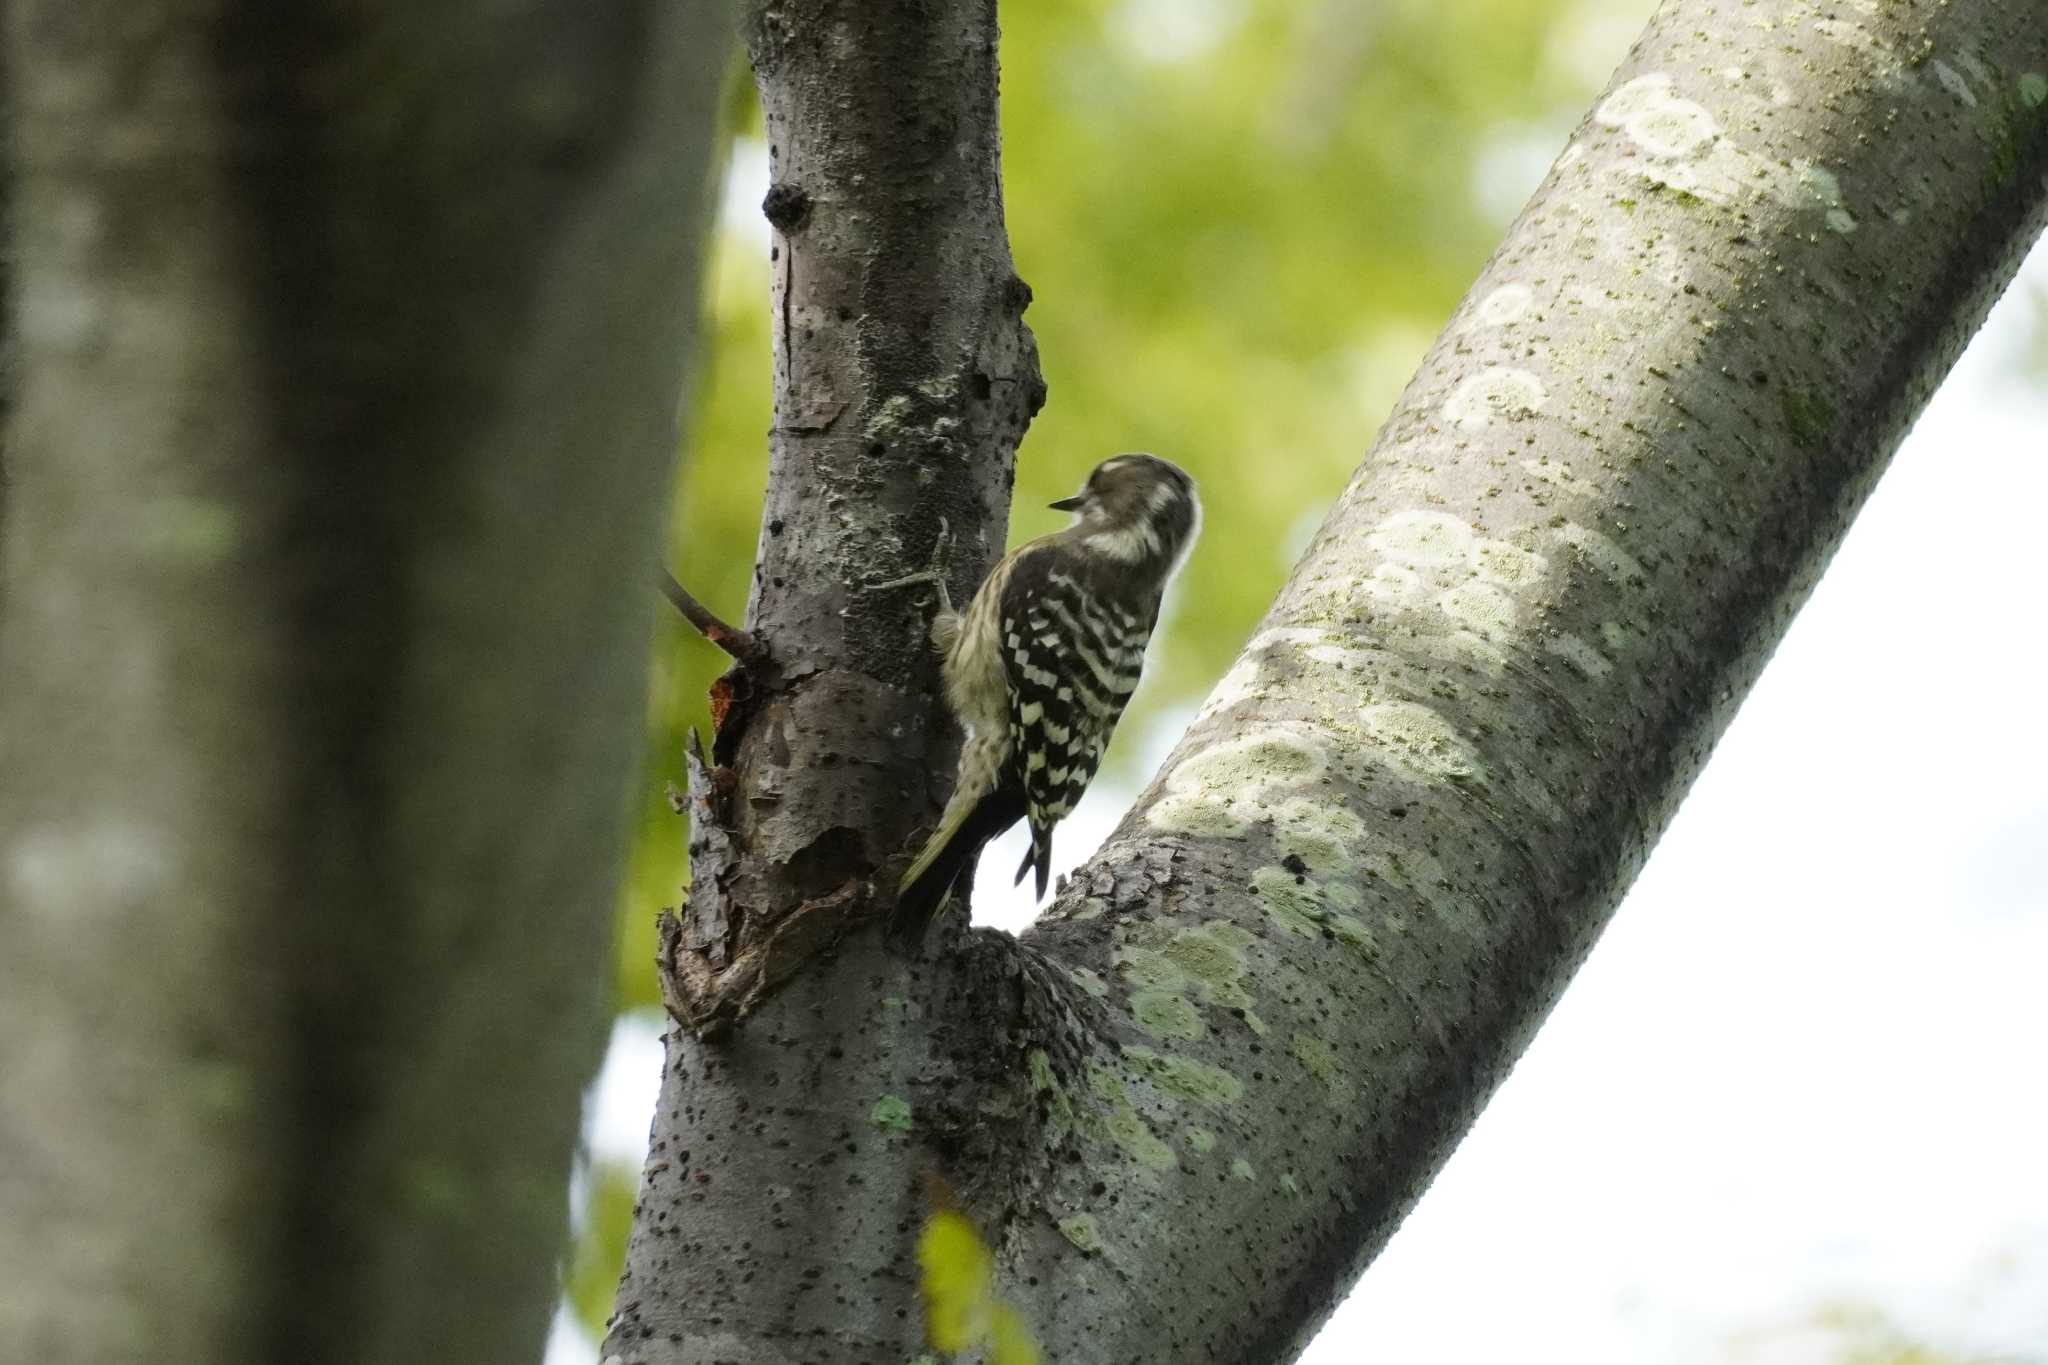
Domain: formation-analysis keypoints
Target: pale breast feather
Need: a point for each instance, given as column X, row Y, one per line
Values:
column 974, row 667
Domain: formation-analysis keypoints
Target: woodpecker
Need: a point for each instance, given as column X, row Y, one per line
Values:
column 1038, row 667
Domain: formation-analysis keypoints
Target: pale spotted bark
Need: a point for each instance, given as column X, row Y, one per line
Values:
column 1194, row 1100
column 347, row 340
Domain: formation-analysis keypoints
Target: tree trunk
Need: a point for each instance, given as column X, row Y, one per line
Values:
column 1191, row 1103
column 347, row 355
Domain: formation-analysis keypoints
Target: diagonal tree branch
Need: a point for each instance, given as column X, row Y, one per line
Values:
column 1195, row 1099
column 1400, row 822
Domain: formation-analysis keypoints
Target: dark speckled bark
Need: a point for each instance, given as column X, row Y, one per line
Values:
column 904, row 379
column 1194, row 1100
column 777, row 1213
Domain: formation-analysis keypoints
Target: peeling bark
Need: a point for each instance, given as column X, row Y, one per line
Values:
column 348, row 341
column 1198, row 1095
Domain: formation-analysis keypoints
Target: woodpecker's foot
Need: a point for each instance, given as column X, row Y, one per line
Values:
column 933, row 573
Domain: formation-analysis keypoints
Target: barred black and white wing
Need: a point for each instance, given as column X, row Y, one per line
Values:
column 1072, row 653
column 1039, row 666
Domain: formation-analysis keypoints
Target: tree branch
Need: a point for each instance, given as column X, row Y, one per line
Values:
column 738, row 643
column 1197, row 1097
column 888, row 423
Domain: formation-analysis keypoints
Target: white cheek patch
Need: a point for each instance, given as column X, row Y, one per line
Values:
column 1126, row 545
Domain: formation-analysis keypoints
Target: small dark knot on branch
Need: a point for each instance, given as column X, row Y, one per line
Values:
column 787, row 208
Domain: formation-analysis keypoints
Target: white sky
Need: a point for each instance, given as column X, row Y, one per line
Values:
column 1804, row 1069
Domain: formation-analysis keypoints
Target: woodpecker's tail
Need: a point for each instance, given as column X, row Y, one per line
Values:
column 947, row 858
column 1039, row 857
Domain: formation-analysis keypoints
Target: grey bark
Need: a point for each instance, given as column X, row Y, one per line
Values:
column 348, row 350
column 1192, row 1102
column 904, row 378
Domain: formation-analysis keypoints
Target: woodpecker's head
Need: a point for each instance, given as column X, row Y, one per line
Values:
column 1138, row 509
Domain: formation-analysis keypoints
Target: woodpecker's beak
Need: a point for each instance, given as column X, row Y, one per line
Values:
column 1072, row 504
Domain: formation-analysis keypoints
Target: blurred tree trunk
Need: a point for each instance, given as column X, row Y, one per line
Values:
column 1191, row 1103
column 347, row 343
